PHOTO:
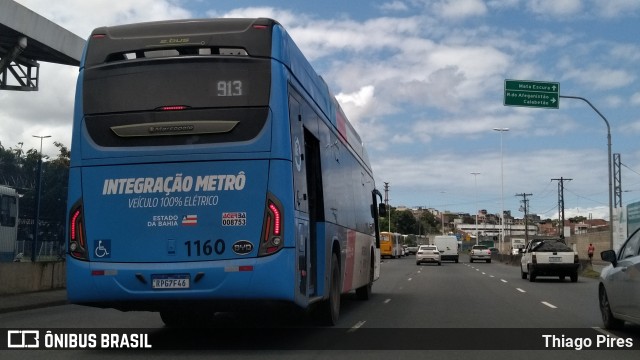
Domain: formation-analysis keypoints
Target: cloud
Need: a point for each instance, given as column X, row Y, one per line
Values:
column 555, row 7
column 394, row 6
column 459, row 9
column 356, row 104
column 613, row 9
column 80, row 16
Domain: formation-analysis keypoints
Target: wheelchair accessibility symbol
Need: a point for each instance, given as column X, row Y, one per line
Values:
column 102, row 248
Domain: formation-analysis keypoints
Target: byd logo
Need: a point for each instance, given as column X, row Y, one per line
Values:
column 242, row 247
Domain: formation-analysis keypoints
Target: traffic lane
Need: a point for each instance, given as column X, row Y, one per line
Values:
column 538, row 305
column 478, row 295
column 440, row 305
column 580, row 298
column 389, row 293
column 573, row 301
column 439, row 296
column 386, row 293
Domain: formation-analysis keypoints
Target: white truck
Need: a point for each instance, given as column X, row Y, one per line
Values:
column 549, row 257
column 517, row 245
column 448, row 246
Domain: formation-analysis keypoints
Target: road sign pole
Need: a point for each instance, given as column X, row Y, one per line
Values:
column 609, row 163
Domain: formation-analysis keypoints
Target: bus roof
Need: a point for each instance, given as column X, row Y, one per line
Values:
column 259, row 37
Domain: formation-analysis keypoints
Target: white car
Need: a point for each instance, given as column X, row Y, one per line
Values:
column 480, row 252
column 428, row 253
column 619, row 288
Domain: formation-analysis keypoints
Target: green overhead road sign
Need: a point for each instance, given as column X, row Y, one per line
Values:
column 532, row 94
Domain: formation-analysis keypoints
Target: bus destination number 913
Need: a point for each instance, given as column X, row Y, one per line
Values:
column 230, row 88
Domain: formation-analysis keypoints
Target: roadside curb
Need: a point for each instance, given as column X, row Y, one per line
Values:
column 32, row 300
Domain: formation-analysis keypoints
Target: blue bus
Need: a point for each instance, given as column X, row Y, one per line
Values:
column 211, row 168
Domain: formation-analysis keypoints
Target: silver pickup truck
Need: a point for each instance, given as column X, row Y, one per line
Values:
column 549, row 257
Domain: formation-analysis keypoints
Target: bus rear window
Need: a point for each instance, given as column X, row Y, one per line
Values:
column 198, row 82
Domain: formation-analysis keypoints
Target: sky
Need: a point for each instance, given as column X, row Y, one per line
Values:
column 422, row 81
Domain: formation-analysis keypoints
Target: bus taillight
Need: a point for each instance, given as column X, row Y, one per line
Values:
column 276, row 219
column 173, row 108
column 271, row 239
column 77, row 240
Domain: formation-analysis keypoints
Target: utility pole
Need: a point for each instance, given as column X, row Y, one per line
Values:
column 34, row 244
column 617, row 181
column 561, row 205
column 386, row 202
column 526, row 217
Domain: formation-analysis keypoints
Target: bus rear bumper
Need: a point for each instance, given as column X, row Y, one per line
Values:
column 154, row 286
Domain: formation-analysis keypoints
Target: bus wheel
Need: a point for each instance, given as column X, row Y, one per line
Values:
column 329, row 309
column 364, row 292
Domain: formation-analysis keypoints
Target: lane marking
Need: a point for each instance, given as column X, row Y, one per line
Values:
column 504, row 281
column 522, row 291
column 387, row 301
column 484, row 273
column 491, row 276
column 356, row 326
column 409, row 279
column 549, row 305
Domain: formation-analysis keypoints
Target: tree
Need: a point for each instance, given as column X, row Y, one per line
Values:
column 429, row 224
column 18, row 169
column 406, row 222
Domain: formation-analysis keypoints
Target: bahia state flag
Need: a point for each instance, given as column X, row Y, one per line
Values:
column 190, row 220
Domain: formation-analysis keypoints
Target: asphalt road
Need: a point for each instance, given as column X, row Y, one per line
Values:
column 455, row 309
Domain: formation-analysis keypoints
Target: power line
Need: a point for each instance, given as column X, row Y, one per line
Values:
column 633, row 171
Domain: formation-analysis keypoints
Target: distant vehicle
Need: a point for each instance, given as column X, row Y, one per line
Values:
column 517, row 244
column 8, row 222
column 619, row 288
column 448, row 246
column 480, row 252
column 549, row 257
column 428, row 253
column 412, row 249
column 390, row 245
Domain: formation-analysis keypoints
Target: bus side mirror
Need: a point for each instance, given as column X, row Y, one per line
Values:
column 382, row 210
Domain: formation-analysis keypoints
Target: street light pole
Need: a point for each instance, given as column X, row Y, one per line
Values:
column 37, row 216
column 608, row 165
column 501, row 130
column 442, row 216
column 475, row 176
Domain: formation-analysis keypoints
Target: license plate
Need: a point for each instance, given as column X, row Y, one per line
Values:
column 170, row 281
column 554, row 259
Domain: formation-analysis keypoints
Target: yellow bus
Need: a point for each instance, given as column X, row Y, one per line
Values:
column 390, row 245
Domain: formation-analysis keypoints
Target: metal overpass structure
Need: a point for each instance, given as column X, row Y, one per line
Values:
column 26, row 39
